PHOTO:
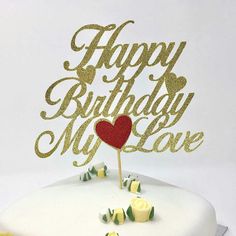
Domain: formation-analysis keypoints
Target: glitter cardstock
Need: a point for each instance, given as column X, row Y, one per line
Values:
column 153, row 114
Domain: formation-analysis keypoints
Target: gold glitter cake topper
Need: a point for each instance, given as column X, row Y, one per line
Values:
column 152, row 113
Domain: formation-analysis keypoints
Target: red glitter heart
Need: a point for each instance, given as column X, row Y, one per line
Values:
column 115, row 135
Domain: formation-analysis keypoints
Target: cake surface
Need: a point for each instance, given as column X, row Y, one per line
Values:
column 71, row 207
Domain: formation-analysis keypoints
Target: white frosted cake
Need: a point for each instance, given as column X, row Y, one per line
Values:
column 71, row 207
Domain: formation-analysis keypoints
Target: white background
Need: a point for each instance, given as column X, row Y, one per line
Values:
column 34, row 43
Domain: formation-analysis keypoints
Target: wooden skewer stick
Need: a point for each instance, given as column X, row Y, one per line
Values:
column 119, row 165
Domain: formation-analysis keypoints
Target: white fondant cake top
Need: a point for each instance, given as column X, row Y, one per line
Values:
column 71, row 207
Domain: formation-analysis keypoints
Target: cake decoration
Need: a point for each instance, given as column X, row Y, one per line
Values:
column 156, row 110
column 127, row 180
column 105, row 215
column 99, row 170
column 118, row 216
column 85, row 176
column 101, row 173
column 134, row 186
column 94, row 169
column 140, row 210
column 115, row 135
column 112, row 234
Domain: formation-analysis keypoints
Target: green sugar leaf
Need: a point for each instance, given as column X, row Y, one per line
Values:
column 116, row 221
column 105, row 218
column 89, row 176
column 129, row 188
column 151, row 214
column 129, row 213
column 124, row 214
column 110, row 213
column 139, row 188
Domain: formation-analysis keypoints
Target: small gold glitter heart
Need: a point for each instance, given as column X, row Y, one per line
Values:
column 87, row 75
column 174, row 83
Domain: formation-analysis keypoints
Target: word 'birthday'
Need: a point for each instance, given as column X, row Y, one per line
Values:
column 161, row 108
